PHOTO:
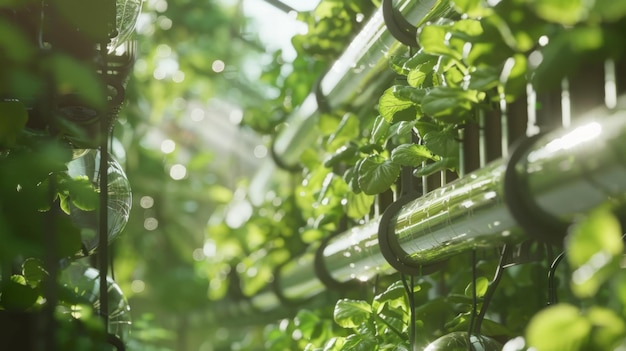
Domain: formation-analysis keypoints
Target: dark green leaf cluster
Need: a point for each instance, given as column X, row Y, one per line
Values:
column 37, row 194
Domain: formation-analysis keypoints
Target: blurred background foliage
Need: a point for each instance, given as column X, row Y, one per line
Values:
column 204, row 90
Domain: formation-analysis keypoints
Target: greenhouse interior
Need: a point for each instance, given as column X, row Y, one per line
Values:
column 318, row 175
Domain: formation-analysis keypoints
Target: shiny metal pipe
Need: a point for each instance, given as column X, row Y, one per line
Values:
column 565, row 174
column 355, row 254
column 355, row 78
column 572, row 172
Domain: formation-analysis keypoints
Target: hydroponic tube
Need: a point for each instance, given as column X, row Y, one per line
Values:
column 565, row 173
column 352, row 81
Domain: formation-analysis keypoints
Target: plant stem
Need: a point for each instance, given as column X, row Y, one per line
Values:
column 491, row 290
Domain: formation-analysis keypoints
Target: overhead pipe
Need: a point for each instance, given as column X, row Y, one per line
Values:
column 353, row 80
column 535, row 193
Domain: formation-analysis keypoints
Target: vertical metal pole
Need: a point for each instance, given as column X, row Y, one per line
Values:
column 482, row 139
column 531, row 111
column 504, row 124
column 566, row 104
column 105, row 130
column 103, row 227
column 610, row 84
column 461, row 154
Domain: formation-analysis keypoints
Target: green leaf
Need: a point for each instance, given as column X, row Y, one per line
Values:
column 380, row 130
column 307, row 322
column 360, row 342
column 420, row 58
column 395, row 294
column 350, row 177
column 334, row 344
column 351, row 313
column 467, row 29
column 358, row 205
column 310, row 158
column 17, row 295
column 558, row 328
column 566, row 12
column 64, row 203
column 483, row 78
column 371, row 148
column 518, row 26
column 389, row 104
column 409, row 93
column 454, row 77
column 411, row 155
column 13, row 118
column 594, row 249
column 14, row 45
column 416, row 78
column 451, row 105
column 609, row 10
column 424, row 128
column 33, row 271
column 471, row 8
column 81, row 192
column 346, row 153
column 434, row 40
column 482, row 284
column 397, row 63
column 446, row 163
column 326, row 187
column 442, row 143
column 347, row 130
column 376, row 174
column 395, row 319
column 608, row 328
column 402, row 129
column 394, row 291
column 328, row 123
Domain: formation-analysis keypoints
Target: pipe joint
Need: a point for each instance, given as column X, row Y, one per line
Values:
column 536, row 223
column 390, row 247
column 322, row 272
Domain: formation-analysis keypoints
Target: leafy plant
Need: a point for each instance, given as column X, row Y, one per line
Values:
column 595, row 319
column 481, row 59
